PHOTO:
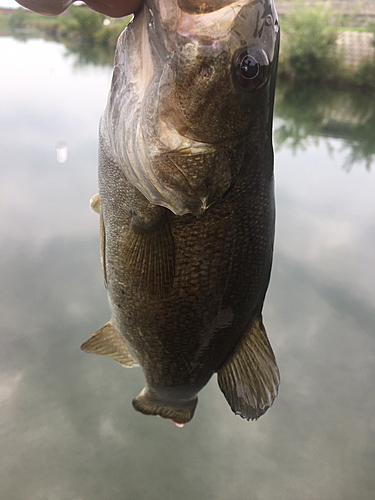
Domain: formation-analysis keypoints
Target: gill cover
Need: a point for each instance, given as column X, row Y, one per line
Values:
column 182, row 96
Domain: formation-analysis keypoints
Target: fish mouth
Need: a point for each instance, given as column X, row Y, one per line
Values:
column 197, row 7
column 210, row 19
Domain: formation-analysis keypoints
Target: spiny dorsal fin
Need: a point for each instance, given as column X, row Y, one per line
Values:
column 108, row 342
column 250, row 378
column 150, row 254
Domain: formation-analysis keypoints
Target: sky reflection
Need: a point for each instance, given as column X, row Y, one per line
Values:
column 68, row 430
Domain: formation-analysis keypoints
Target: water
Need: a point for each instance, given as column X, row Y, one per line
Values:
column 68, row 430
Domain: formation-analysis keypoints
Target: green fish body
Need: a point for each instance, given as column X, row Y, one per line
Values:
column 187, row 203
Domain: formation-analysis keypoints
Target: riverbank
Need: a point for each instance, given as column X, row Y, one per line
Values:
column 91, row 36
column 358, row 12
column 327, row 42
column 356, row 20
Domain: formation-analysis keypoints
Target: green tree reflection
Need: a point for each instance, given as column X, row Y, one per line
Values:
column 309, row 112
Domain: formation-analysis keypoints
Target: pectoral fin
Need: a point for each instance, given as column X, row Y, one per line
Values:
column 250, row 378
column 149, row 253
column 108, row 342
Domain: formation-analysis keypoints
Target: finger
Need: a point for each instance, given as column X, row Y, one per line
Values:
column 46, row 7
column 115, row 8
column 111, row 8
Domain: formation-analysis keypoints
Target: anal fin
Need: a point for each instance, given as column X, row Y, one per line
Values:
column 250, row 377
column 108, row 342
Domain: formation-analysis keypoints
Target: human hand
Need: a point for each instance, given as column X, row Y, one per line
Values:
column 111, row 8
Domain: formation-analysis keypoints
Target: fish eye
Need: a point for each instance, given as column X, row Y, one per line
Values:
column 250, row 68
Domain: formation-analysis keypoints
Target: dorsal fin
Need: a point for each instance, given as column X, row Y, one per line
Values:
column 108, row 342
column 250, row 378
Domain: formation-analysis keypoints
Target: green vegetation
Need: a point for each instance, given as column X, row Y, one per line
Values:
column 365, row 74
column 309, row 51
column 84, row 32
column 371, row 28
column 310, row 42
column 18, row 19
column 4, row 24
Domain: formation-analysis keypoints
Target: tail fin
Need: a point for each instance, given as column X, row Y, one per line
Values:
column 250, row 377
column 146, row 403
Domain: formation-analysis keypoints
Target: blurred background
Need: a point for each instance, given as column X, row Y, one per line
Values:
column 68, row 429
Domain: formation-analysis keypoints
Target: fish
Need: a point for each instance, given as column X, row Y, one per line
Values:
column 186, row 203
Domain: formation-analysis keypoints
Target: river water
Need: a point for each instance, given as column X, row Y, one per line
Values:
column 68, row 429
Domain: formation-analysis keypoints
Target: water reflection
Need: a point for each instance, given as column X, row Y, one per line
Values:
column 68, row 430
column 311, row 112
